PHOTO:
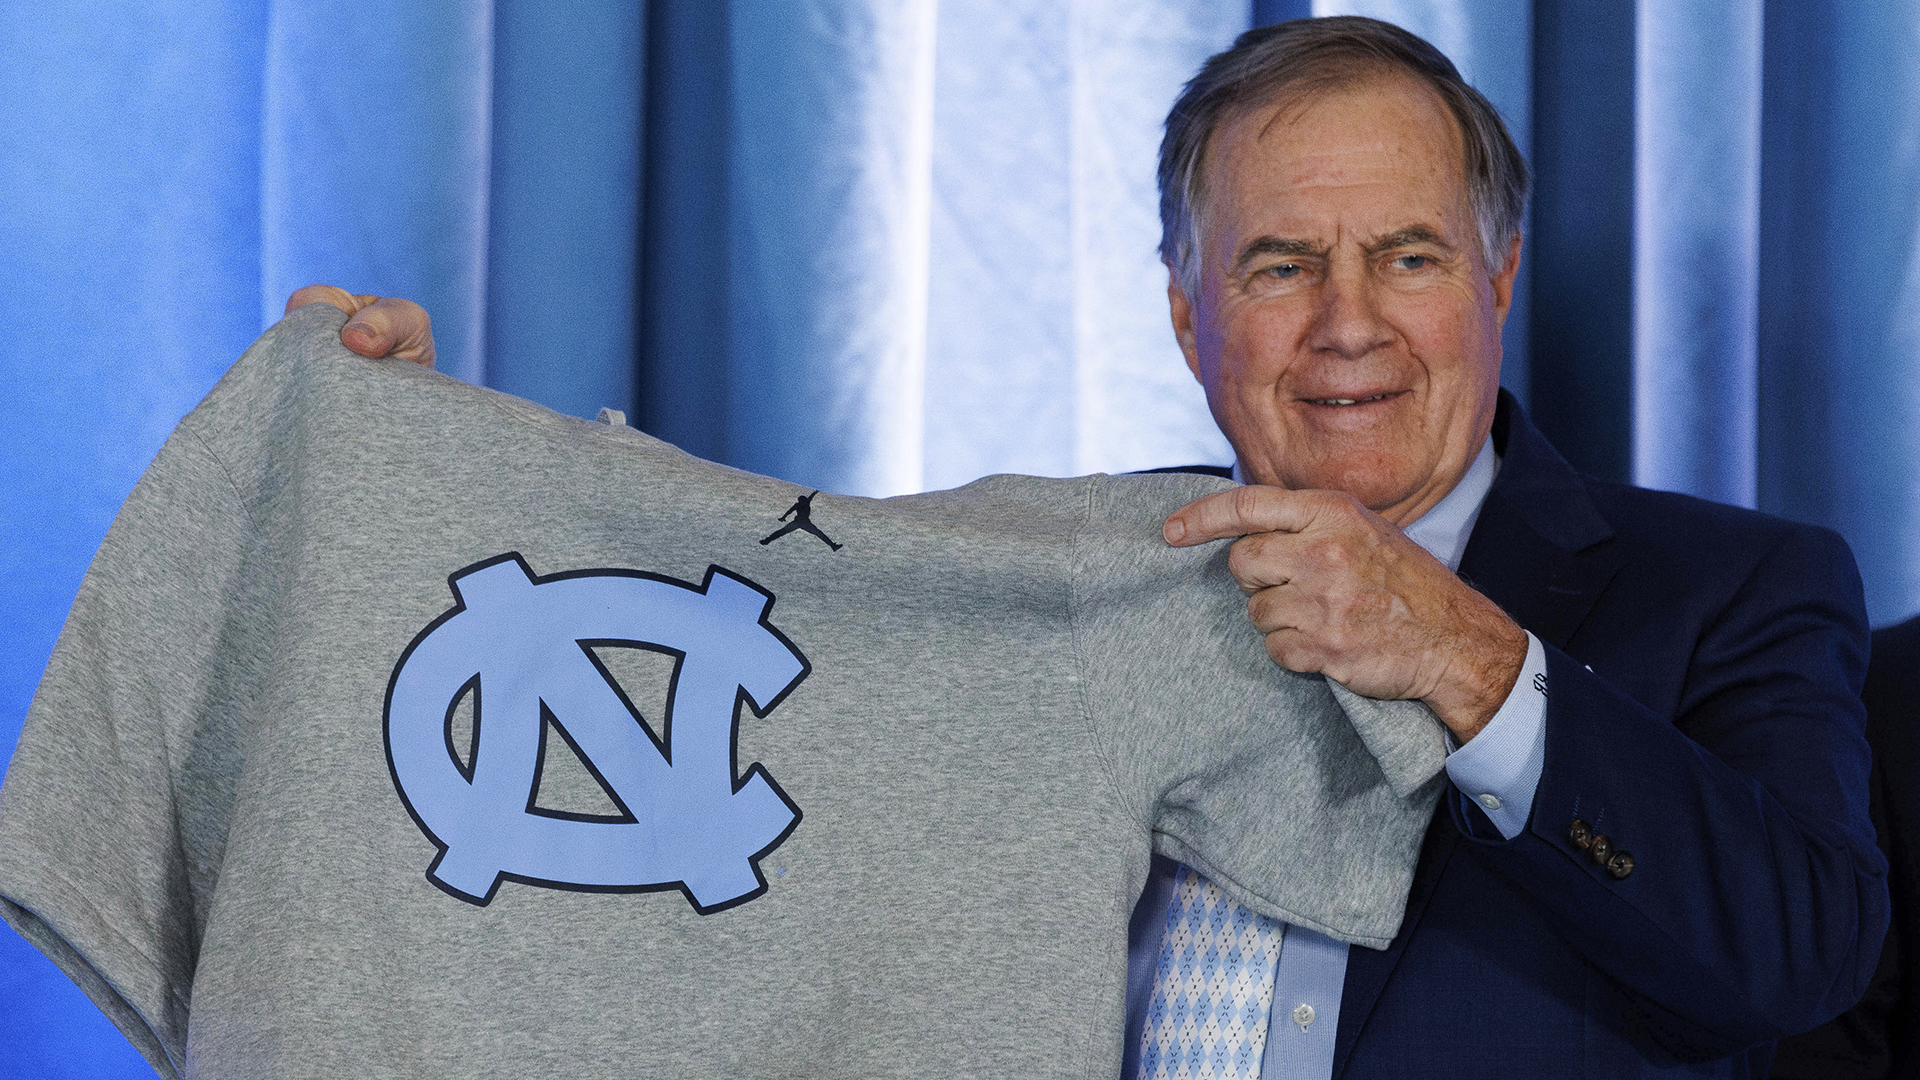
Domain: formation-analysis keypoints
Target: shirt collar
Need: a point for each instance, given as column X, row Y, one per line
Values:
column 1443, row 530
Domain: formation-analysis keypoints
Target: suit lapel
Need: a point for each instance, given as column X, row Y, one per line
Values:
column 1538, row 549
column 1546, row 588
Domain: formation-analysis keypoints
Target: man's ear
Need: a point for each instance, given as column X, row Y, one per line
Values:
column 1181, row 309
column 1503, row 283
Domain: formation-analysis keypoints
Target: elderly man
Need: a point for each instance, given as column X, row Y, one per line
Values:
column 1655, row 855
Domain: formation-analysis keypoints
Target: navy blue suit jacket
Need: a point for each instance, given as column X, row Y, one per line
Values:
column 1879, row 1039
column 1704, row 668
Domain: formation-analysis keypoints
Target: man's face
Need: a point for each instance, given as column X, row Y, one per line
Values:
column 1347, row 327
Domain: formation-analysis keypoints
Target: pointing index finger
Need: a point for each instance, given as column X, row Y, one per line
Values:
column 1251, row 508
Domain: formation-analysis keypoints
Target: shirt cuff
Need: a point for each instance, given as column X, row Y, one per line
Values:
column 1500, row 768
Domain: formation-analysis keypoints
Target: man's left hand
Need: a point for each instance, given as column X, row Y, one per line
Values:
column 1338, row 589
column 380, row 326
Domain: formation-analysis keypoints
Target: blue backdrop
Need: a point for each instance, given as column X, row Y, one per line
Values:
column 882, row 245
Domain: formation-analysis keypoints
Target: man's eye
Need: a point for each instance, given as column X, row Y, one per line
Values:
column 1285, row 270
column 1411, row 262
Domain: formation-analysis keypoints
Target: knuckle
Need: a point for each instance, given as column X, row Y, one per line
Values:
column 1237, row 559
column 1243, row 553
column 321, row 294
column 1291, row 652
column 1244, row 559
column 1281, row 650
column 1260, row 610
column 1333, row 556
column 1336, row 640
column 1339, row 509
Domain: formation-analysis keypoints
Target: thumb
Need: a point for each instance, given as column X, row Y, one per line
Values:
column 392, row 327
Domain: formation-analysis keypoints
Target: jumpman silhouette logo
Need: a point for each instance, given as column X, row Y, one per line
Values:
column 802, row 515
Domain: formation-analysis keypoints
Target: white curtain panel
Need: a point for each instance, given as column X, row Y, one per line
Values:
column 1049, row 347
column 945, row 240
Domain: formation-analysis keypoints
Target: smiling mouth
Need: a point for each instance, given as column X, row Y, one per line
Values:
column 1352, row 401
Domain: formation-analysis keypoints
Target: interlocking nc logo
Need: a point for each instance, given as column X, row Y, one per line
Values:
column 519, row 644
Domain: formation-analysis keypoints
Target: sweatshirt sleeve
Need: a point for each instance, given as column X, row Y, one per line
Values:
column 1305, row 804
column 112, row 811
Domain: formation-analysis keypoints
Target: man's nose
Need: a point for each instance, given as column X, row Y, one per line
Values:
column 1349, row 322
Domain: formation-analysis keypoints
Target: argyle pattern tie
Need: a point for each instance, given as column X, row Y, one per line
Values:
column 1213, row 991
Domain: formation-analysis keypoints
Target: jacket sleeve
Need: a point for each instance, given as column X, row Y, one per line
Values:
column 1756, row 899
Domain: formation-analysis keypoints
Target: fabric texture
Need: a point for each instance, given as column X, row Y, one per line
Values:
column 224, row 812
column 1311, row 966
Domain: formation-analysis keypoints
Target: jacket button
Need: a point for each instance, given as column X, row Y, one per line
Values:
column 1602, row 849
column 1620, row 865
column 1580, row 834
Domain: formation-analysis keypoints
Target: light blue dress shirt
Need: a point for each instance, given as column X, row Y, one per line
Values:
column 1499, row 770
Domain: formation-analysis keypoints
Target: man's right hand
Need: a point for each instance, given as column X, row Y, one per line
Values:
column 380, row 326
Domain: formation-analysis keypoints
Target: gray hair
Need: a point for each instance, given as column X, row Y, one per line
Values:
column 1309, row 55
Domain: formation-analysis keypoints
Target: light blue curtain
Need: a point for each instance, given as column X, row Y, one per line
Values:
column 170, row 171
column 1696, row 229
column 564, row 209
column 1839, row 338
column 374, row 157
column 881, row 245
column 829, row 167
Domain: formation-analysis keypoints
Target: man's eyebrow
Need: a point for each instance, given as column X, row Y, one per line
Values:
column 1281, row 246
column 1412, row 234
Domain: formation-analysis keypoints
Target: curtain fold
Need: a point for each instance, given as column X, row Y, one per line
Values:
column 376, row 138
column 1580, row 359
column 1049, row 347
column 940, row 238
column 830, row 151
column 1137, row 406
column 1840, row 284
column 1696, row 271
column 681, row 378
column 563, row 242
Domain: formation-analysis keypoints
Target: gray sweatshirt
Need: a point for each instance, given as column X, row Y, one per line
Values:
column 405, row 729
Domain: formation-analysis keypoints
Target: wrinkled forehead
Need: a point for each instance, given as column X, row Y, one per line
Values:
column 1335, row 127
